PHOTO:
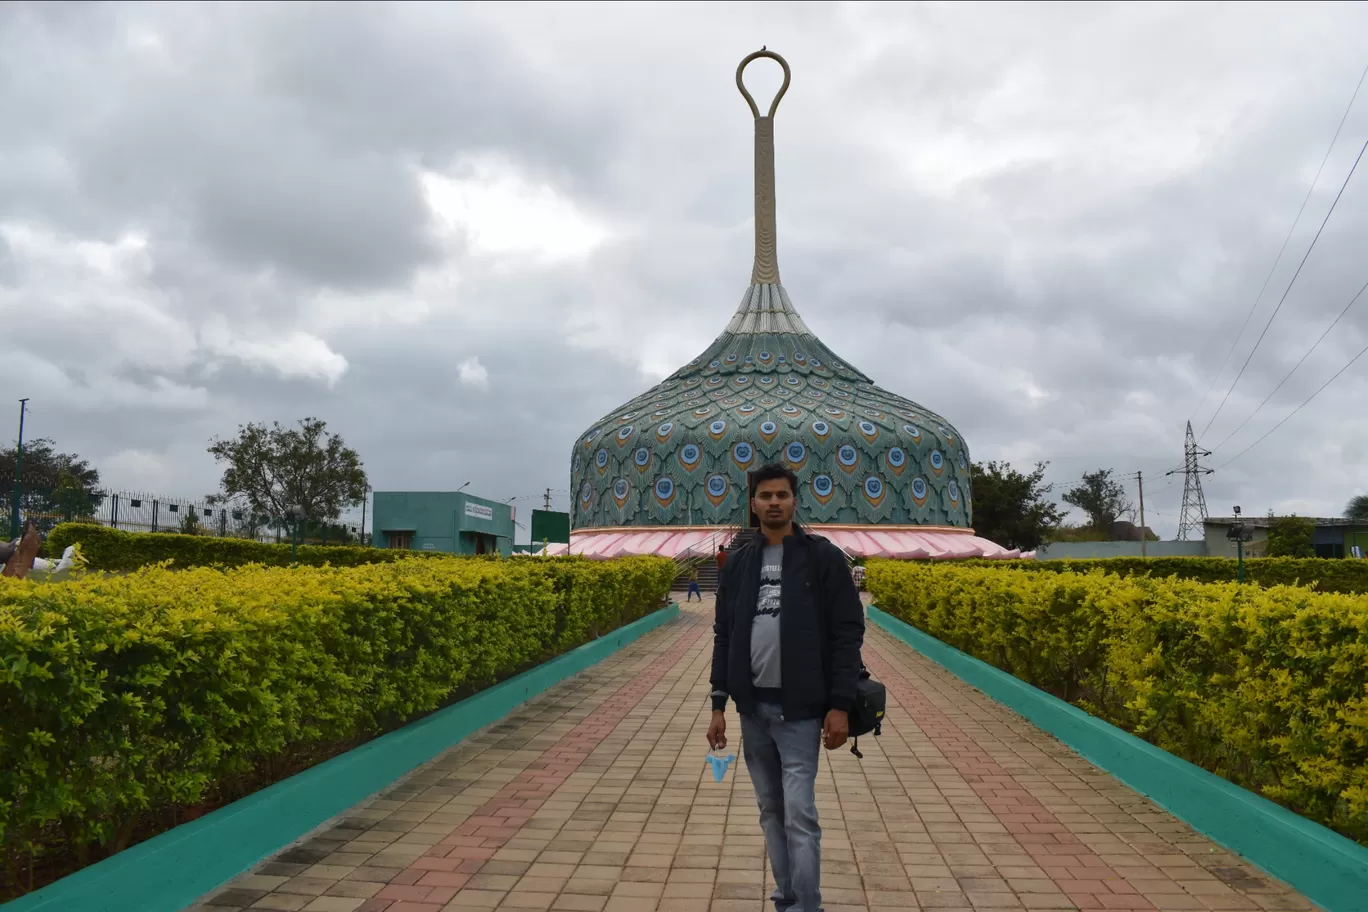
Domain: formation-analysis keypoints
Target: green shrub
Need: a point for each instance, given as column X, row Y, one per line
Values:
column 1348, row 576
column 1292, row 536
column 1265, row 687
column 116, row 551
column 122, row 696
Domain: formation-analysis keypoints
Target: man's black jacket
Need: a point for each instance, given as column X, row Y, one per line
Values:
column 821, row 629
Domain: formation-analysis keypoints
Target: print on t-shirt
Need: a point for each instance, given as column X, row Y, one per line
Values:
column 765, row 629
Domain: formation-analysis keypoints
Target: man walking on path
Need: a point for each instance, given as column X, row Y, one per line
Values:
column 786, row 647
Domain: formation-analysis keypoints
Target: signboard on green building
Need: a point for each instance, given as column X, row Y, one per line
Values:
column 550, row 527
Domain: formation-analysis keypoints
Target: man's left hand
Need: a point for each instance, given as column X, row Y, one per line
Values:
column 836, row 729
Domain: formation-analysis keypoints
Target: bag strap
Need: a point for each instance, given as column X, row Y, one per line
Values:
column 814, row 584
column 864, row 672
column 816, row 592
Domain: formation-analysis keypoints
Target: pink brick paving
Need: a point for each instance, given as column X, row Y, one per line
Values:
column 436, row 877
column 594, row 797
column 1084, row 877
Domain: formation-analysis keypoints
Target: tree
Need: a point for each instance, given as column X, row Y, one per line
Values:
column 1101, row 497
column 1357, row 510
column 1357, row 513
column 1079, row 533
column 42, row 461
column 53, row 482
column 1010, row 508
column 190, row 524
column 269, row 469
column 1291, row 536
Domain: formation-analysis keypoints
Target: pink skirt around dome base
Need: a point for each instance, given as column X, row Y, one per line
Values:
column 897, row 543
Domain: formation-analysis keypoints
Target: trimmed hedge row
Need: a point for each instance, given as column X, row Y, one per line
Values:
column 1327, row 575
column 116, row 551
column 1265, row 687
column 128, row 696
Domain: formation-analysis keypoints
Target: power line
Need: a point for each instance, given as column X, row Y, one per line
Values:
column 1351, row 303
column 1347, row 177
column 1281, row 250
column 1153, row 468
column 1361, row 353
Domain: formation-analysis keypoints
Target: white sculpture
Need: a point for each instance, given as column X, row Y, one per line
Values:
column 59, row 569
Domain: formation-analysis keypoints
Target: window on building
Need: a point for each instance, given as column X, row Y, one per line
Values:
column 1330, row 550
column 400, row 540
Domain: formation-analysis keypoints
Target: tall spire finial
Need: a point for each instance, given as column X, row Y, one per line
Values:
column 766, row 268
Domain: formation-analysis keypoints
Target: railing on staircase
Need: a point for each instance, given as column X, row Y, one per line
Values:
column 702, row 556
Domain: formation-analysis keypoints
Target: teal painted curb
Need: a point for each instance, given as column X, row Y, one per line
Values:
column 174, row 869
column 1324, row 866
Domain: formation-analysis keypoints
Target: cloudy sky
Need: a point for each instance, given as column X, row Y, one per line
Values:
column 462, row 233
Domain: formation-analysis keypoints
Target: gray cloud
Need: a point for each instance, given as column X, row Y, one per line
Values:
column 1046, row 223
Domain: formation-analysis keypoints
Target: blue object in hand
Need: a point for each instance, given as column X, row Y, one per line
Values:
column 719, row 765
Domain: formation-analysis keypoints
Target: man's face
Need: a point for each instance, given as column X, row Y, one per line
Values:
column 773, row 503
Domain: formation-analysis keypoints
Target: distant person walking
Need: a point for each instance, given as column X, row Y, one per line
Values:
column 693, row 585
column 721, row 562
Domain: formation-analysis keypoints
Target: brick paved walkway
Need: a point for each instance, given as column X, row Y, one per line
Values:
column 596, row 796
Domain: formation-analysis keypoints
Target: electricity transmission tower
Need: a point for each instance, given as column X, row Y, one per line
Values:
column 1194, row 501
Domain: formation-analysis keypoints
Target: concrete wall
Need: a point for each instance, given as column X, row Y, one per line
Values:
column 486, row 517
column 1081, row 550
column 1219, row 546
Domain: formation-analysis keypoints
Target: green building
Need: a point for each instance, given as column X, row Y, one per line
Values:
column 447, row 521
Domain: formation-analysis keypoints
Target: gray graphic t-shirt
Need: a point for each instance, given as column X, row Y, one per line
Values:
column 765, row 629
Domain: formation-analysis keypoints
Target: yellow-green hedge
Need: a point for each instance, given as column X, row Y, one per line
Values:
column 116, row 551
column 125, row 695
column 1266, row 687
column 1326, row 574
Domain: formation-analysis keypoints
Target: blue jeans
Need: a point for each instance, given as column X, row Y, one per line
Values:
column 782, row 759
column 694, row 590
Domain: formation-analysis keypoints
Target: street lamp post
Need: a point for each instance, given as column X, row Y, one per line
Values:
column 18, row 473
column 1241, row 534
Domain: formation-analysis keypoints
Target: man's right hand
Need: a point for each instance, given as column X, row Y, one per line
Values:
column 717, row 731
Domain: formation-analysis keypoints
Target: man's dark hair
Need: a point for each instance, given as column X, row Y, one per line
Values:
column 775, row 470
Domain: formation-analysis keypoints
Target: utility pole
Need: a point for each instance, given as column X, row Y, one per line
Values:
column 546, row 543
column 18, row 473
column 1144, row 543
column 365, row 501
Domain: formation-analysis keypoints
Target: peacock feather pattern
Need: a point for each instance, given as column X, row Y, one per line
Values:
column 878, row 458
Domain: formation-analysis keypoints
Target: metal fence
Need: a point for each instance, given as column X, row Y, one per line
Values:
column 47, row 502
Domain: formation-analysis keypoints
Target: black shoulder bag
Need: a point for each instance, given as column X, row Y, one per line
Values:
column 871, row 699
